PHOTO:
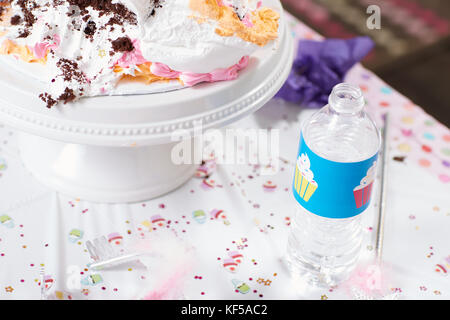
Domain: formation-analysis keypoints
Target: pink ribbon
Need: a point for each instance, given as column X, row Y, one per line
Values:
column 162, row 70
column 190, row 78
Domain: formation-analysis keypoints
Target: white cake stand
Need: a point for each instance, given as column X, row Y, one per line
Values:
column 118, row 148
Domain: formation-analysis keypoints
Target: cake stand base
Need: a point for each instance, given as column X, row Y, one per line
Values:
column 118, row 149
column 103, row 174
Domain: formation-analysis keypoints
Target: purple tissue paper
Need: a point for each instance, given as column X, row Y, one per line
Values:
column 319, row 66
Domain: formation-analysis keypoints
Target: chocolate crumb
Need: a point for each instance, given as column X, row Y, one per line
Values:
column 48, row 99
column 90, row 28
column 24, row 33
column 16, row 20
column 120, row 12
column 123, row 44
column 67, row 96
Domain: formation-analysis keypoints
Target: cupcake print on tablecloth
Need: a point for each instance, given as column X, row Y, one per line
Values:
column 199, row 216
column 75, row 235
column 304, row 182
column 157, row 220
column 240, row 286
column 236, row 256
column 219, row 214
column 230, row 265
column 269, row 186
column 363, row 192
column 6, row 221
column 115, row 238
column 3, row 165
column 48, row 281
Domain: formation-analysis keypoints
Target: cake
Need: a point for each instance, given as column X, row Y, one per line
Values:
column 89, row 47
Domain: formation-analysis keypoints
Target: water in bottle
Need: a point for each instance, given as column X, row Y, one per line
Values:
column 333, row 185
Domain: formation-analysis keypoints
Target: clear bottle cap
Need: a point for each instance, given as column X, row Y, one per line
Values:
column 346, row 98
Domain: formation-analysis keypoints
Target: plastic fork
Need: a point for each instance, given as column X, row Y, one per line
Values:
column 105, row 255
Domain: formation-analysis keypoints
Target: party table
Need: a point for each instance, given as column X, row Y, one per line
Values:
column 235, row 222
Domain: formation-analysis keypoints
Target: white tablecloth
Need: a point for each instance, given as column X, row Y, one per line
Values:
column 37, row 223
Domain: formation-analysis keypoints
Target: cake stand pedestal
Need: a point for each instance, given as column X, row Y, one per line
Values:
column 118, row 149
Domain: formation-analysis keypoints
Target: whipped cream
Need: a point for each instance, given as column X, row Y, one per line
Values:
column 175, row 38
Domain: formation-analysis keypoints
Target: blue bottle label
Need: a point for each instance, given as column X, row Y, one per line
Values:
column 333, row 189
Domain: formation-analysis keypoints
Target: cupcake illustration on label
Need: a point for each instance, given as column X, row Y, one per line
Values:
column 304, row 178
column 332, row 189
column 363, row 192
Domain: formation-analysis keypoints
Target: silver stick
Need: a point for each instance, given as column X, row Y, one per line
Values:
column 382, row 199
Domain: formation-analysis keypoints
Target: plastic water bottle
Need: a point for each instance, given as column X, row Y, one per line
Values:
column 333, row 185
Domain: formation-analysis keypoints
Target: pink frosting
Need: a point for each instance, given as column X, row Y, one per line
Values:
column 132, row 58
column 42, row 48
column 247, row 21
column 190, row 79
column 162, row 70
